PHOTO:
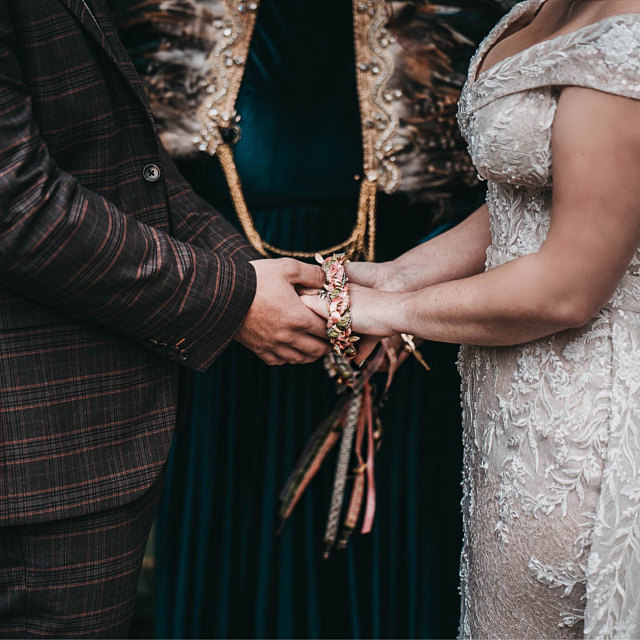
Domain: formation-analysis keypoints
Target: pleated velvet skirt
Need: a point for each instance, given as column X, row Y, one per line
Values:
column 222, row 572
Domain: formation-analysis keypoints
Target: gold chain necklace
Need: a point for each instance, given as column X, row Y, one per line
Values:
column 374, row 69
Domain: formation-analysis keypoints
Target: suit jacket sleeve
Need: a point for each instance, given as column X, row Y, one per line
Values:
column 192, row 216
column 69, row 248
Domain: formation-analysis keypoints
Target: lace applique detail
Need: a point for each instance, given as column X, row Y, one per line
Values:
column 565, row 578
column 517, row 150
column 551, row 491
column 619, row 46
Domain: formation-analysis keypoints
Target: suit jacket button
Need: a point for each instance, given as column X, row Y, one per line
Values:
column 151, row 173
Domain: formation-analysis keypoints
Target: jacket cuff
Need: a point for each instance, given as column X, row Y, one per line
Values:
column 232, row 290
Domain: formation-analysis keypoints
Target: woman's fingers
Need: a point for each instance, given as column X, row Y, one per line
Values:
column 365, row 347
column 364, row 273
column 316, row 304
column 307, row 291
column 369, row 310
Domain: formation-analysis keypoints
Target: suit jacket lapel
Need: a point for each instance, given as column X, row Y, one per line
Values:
column 93, row 17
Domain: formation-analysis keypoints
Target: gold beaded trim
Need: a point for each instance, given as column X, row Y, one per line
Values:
column 227, row 62
column 374, row 69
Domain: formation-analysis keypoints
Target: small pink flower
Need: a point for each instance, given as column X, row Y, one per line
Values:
column 337, row 286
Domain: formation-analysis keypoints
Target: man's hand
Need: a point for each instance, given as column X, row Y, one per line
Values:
column 279, row 328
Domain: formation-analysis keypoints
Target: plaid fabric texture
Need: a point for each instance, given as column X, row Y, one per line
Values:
column 74, row 578
column 112, row 271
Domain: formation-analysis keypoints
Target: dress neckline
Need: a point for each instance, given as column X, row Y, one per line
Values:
column 495, row 37
column 498, row 34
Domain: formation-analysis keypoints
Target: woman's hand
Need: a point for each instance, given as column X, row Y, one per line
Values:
column 457, row 253
column 366, row 302
column 384, row 276
column 371, row 310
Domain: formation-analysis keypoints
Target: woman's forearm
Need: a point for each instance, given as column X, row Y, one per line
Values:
column 561, row 287
column 458, row 253
column 593, row 235
column 455, row 254
column 520, row 301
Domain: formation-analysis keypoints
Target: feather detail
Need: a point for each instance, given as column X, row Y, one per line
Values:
column 430, row 54
column 431, row 155
column 175, row 71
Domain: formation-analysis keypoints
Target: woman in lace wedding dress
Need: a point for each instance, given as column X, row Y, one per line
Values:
column 551, row 397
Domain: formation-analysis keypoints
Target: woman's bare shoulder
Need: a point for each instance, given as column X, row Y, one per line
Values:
column 608, row 8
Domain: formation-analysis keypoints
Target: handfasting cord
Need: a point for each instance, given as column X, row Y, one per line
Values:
column 351, row 419
column 342, row 468
column 351, row 422
column 337, row 294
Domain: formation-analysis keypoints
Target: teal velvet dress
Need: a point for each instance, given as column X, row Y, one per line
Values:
column 221, row 569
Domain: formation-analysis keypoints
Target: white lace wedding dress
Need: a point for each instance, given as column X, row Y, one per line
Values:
column 552, row 428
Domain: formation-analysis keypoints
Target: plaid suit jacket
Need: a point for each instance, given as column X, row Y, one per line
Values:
column 112, row 271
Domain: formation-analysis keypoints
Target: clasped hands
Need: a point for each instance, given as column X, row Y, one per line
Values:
column 287, row 320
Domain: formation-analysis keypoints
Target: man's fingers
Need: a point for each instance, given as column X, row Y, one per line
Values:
column 308, row 275
column 278, row 327
column 309, row 348
column 312, row 323
column 303, row 350
column 271, row 359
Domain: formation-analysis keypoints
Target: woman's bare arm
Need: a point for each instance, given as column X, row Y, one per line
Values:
column 458, row 253
column 594, row 232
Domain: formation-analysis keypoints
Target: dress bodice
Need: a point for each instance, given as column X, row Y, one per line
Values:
column 506, row 115
column 604, row 55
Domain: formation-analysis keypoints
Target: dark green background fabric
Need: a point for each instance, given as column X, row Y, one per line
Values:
column 221, row 570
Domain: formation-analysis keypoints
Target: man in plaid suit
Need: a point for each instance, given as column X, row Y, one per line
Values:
column 113, row 273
